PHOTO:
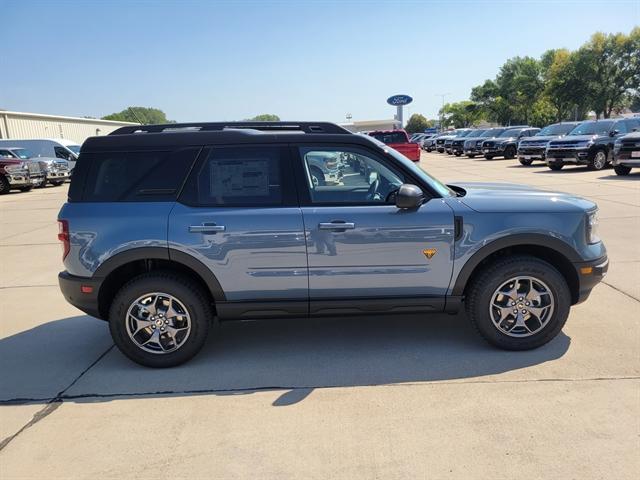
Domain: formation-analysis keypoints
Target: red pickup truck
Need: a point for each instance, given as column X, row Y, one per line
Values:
column 398, row 140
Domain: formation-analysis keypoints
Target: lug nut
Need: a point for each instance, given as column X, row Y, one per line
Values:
column 153, row 326
column 515, row 311
column 524, row 311
column 162, row 328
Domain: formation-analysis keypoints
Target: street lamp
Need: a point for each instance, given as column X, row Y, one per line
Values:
column 441, row 110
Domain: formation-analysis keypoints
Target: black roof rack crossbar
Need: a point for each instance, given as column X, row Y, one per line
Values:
column 306, row 127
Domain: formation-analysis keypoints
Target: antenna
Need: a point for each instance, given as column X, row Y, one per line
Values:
column 135, row 116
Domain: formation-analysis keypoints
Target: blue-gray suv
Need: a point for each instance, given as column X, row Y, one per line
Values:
column 168, row 227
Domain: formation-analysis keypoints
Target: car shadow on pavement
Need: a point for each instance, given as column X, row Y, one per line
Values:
column 615, row 176
column 73, row 359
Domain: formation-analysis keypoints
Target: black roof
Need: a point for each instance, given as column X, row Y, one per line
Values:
column 212, row 133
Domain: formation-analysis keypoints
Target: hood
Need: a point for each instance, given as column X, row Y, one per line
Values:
column 576, row 138
column 541, row 138
column 509, row 197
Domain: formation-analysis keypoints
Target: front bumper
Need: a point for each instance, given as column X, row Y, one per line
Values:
column 565, row 155
column 71, row 288
column 495, row 150
column 21, row 179
column 531, row 153
column 626, row 159
column 589, row 275
column 57, row 175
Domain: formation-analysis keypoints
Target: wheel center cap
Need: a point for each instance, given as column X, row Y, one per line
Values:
column 159, row 322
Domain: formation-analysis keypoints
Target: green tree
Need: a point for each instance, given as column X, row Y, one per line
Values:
column 265, row 117
column 144, row 115
column 461, row 114
column 417, row 123
column 611, row 63
column 543, row 112
column 566, row 86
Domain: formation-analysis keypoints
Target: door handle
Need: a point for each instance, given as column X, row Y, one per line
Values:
column 207, row 228
column 336, row 225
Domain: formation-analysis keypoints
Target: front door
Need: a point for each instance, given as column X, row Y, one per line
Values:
column 239, row 215
column 365, row 254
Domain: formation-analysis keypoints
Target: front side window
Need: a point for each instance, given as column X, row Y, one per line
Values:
column 238, row 176
column 348, row 176
column 593, row 128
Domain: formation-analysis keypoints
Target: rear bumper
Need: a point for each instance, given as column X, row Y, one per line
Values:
column 71, row 288
column 589, row 275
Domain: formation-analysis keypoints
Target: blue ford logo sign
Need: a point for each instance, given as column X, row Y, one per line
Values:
column 398, row 100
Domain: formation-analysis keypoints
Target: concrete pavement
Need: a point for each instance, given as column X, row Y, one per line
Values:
column 337, row 398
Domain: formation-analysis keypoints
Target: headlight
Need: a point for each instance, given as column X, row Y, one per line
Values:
column 617, row 146
column 592, row 227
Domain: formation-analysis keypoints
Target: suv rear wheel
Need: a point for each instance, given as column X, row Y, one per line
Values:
column 519, row 303
column 556, row 166
column 160, row 319
column 622, row 170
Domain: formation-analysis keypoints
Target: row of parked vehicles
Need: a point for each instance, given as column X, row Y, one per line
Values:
column 594, row 143
column 28, row 164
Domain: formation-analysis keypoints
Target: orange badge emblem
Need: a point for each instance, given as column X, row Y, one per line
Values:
column 429, row 252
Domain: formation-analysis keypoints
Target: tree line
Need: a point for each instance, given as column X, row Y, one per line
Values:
column 602, row 76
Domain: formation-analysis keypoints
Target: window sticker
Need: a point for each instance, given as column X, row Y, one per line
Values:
column 240, row 178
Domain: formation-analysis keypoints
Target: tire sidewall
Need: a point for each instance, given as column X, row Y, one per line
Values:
column 486, row 286
column 184, row 290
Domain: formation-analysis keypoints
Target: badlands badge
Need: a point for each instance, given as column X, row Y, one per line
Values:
column 429, row 252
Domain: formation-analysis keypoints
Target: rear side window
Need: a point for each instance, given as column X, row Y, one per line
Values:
column 146, row 176
column 240, row 176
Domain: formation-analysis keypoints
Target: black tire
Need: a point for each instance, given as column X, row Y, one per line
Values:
column 189, row 293
column 556, row 167
column 457, row 154
column 43, row 184
column 26, row 189
column 5, row 186
column 317, row 177
column 622, row 170
column 57, row 183
column 481, row 290
column 471, row 156
column 488, row 157
column 525, row 162
column 595, row 162
column 510, row 152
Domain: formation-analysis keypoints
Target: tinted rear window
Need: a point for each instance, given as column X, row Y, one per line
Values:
column 390, row 137
column 131, row 176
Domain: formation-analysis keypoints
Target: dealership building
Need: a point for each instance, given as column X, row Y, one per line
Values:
column 21, row 125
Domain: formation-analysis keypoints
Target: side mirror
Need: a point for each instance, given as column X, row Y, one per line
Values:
column 613, row 133
column 409, row 196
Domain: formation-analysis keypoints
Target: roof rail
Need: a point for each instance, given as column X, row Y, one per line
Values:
column 306, row 127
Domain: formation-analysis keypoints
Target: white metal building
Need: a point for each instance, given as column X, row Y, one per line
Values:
column 370, row 125
column 20, row 125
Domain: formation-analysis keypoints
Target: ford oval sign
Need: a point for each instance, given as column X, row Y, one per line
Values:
column 398, row 100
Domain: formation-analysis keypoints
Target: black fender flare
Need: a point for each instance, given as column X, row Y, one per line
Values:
column 163, row 253
column 558, row 246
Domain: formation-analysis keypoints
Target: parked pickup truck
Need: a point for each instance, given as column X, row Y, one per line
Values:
column 398, row 140
column 16, row 174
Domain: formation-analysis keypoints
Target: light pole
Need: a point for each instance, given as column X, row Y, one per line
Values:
column 441, row 112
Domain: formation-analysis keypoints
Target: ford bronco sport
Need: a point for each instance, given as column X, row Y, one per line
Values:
column 170, row 226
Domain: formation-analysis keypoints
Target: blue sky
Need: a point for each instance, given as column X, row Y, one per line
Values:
column 303, row 60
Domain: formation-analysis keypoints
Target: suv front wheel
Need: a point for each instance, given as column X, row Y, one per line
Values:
column 519, row 303
column 160, row 319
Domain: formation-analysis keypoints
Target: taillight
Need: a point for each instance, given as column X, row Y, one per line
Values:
column 63, row 236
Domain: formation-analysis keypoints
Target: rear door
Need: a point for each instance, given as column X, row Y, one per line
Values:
column 239, row 215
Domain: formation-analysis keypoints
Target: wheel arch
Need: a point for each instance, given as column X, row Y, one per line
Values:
column 550, row 249
column 120, row 268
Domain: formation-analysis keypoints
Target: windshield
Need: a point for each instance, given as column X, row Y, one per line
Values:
column 591, row 128
column 437, row 185
column 74, row 148
column 464, row 134
column 494, row 132
column 513, row 132
column 556, row 129
column 390, row 137
column 23, row 153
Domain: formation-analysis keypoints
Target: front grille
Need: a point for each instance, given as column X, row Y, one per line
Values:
column 572, row 143
column 534, row 143
column 440, row 141
column 488, row 144
column 33, row 167
column 529, row 149
column 561, row 152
